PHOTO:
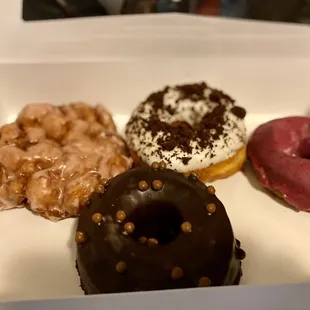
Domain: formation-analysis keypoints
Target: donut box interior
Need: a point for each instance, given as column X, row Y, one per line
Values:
column 37, row 259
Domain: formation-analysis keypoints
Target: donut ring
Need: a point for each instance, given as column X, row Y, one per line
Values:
column 193, row 128
column 140, row 235
column 279, row 152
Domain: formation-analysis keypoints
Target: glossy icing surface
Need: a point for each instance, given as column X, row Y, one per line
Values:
column 279, row 152
column 172, row 233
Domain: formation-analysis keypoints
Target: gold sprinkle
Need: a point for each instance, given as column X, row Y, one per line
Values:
column 120, row 215
column 177, row 273
column 80, row 237
column 120, row 267
column 211, row 190
column 99, row 188
column 157, row 185
column 143, row 186
column 186, row 227
column 162, row 165
column 97, row 218
column 152, row 241
column 211, row 208
column 104, row 181
column 129, row 227
column 155, row 165
column 204, row 282
column 143, row 240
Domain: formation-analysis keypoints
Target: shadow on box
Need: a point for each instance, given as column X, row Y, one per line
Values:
column 43, row 274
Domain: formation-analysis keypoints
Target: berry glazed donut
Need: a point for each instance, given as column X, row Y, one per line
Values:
column 193, row 128
column 279, row 152
column 154, row 229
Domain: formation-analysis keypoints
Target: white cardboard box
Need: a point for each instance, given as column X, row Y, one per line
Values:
column 265, row 67
column 145, row 36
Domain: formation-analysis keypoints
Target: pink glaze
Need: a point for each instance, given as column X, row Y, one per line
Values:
column 277, row 151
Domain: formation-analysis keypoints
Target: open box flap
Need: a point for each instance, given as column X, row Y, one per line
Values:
column 144, row 36
column 43, row 44
column 282, row 297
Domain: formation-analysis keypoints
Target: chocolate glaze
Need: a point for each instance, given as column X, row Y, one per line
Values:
column 179, row 259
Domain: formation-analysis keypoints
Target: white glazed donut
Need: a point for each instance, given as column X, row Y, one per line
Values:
column 191, row 127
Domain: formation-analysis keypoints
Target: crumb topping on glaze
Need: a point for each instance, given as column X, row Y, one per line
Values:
column 188, row 126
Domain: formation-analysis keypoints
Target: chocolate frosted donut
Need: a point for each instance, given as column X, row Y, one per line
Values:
column 193, row 128
column 154, row 229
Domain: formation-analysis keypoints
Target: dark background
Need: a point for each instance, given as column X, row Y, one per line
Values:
column 296, row 11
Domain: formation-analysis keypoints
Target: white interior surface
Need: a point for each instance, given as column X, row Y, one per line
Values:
column 37, row 256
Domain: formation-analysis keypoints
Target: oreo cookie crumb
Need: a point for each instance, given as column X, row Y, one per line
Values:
column 239, row 112
column 185, row 160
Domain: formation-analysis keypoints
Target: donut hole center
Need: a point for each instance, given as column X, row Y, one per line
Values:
column 160, row 221
column 304, row 149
